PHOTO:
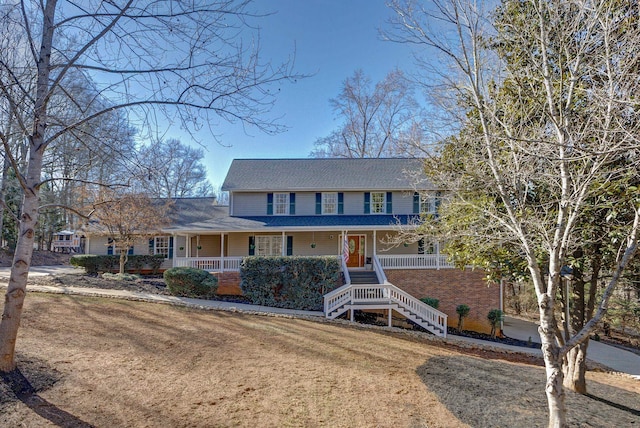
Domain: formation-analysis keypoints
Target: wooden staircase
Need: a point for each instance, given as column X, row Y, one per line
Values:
column 363, row 277
column 362, row 296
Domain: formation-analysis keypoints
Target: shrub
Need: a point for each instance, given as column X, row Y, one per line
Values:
column 434, row 303
column 462, row 311
column 190, row 282
column 289, row 282
column 494, row 317
column 120, row 277
column 94, row 264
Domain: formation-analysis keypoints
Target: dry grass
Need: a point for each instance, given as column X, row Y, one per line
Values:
column 110, row 363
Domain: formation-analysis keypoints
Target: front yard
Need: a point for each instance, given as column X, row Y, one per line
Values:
column 106, row 363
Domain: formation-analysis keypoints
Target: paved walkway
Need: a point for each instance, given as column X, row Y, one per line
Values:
column 615, row 358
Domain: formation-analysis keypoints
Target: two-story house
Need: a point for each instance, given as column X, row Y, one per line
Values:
column 347, row 208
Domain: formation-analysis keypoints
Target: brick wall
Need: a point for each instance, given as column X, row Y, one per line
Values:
column 452, row 287
column 228, row 283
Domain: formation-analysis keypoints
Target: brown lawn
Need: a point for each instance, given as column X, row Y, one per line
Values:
column 110, row 363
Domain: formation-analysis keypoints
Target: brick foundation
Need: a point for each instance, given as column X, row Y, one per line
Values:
column 228, row 283
column 452, row 287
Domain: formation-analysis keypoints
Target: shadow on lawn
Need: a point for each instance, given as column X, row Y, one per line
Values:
column 26, row 393
column 488, row 393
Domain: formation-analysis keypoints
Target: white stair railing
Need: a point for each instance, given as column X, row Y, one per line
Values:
column 384, row 296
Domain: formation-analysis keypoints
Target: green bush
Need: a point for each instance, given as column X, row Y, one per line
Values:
column 190, row 282
column 120, row 277
column 462, row 311
column 494, row 317
column 434, row 303
column 289, row 282
column 94, row 264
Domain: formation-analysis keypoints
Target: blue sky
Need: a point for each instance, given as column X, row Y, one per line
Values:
column 331, row 39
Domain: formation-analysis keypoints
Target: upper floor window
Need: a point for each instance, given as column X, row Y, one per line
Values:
column 426, row 204
column 378, row 202
column 281, row 203
column 330, row 203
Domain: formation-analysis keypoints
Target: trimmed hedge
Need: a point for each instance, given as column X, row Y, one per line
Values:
column 431, row 301
column 94, row 264
column 289, row 282
column 190, row 282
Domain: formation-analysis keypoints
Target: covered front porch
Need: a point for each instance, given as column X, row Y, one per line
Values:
column 224, row 251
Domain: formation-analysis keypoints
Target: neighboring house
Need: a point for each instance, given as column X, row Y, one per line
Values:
column 307, row 207
column 68, row 241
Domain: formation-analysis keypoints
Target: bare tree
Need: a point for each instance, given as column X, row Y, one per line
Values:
column 128, row 218
column 544, row 95
column 377, row 122
column 189, row 62
column 172, row 169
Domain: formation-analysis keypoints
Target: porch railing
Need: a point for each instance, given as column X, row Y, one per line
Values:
column 413, row 261
column 209, row 263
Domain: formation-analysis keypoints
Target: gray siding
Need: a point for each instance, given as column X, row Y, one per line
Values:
column 249, row 204
column 255, row 204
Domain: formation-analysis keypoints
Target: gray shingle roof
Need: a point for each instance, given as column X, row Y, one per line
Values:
column 325, row 174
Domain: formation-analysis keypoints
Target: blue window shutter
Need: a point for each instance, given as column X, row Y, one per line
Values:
column 171, row 247
column 292, row 203
column 252, row 245
column 416, row 203
column 389, row 204
column 151, row 246
column 130, row 252
column 318, row 203
column 269, row 203
column 109, row 247
column 340, row 203
column 367, row 202
column 289, row 245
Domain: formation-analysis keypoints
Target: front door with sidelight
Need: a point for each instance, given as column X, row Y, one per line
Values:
column 356, row 251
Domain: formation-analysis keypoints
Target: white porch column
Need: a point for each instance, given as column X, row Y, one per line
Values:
column 375, row 239
column 175, row 249
column 222, row 252
column 187, row 245
column 284, row 243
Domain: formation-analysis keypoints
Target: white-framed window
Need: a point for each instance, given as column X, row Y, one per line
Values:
column 161, row 246
column 281, row 203
column 113, row 247
column 330, row 203
column 268, row 245
column 429, row 203
column 378, row 202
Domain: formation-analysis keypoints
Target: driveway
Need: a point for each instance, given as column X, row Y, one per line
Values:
column 616, row 358
column 41, row 270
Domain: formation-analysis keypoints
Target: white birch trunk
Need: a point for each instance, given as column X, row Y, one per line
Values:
column 14, row 299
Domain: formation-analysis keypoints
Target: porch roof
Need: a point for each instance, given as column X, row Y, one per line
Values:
column 221, row 222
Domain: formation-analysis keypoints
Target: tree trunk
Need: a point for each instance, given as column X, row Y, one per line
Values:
column 575, row 367
column 14, row 298
column 553, row 364
column 123, row 260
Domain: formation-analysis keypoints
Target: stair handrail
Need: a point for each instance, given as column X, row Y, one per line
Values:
column 377, row 267
column 345, row 271
column 411, row 303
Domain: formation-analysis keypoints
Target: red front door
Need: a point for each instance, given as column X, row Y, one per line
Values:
column 356, row 251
